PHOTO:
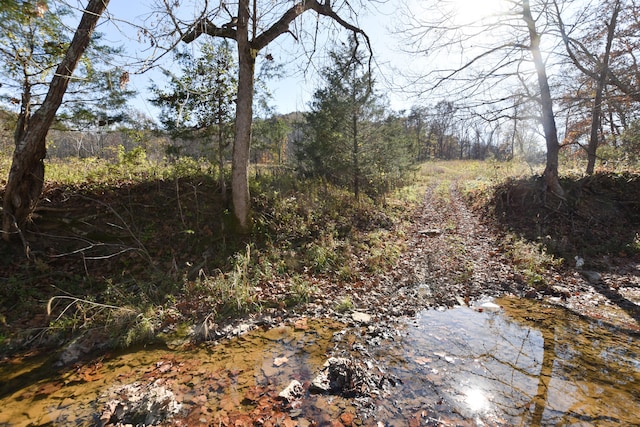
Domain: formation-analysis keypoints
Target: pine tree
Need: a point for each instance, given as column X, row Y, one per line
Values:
column 351, row 139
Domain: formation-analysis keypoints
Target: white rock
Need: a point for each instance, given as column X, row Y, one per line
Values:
column 489, row 306
column 293, row 391
column 360, row 317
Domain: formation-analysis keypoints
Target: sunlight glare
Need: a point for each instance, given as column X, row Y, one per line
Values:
column 474, row 11
column 476, row 400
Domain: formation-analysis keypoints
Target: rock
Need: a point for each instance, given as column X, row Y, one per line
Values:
column 490, row 307
column 301, row 324
column 431, row 232
column 561, row 291
column 279, row 361
column 360, row 317
column 82, row 346
column 348, row 378
column 138, row 404
column 592, row 277
column 292, row 392
column 321, row 383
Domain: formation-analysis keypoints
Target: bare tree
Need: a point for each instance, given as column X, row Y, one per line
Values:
column 593, row 65
column 253, row 25
column 546, row 103
column 493, row 70
column 26, row 176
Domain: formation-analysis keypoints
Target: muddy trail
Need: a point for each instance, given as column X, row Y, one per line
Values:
column 457, row 255
column 452, row 256
column 411, row 350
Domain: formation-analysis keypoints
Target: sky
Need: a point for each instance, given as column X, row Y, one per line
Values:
column 295, row 90
column 291, row 93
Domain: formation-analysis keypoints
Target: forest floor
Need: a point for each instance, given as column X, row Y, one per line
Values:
column 100, row 251
column 137, row 259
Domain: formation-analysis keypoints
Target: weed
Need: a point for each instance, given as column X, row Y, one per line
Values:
column 345, row 304
column 240, row 290
column 532, row 259
column 226, row 294
column 300, row 291
column 138, row 329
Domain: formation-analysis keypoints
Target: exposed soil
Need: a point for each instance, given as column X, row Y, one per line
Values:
column 457, row 251
column 458, row 255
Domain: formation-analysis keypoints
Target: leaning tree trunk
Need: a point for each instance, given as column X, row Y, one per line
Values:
column 552, row 180
column 26, row 176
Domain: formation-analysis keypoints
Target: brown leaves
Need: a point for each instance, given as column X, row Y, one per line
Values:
column 301, row 324
column 90, row 373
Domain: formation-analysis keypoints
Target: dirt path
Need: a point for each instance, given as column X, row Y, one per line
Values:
column 454, row 257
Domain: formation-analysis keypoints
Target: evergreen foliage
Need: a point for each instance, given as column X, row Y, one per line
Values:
column 32, row 44
column 351, row 139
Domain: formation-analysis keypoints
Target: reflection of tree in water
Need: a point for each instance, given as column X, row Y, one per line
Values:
column 586, row 370
column 539, row 366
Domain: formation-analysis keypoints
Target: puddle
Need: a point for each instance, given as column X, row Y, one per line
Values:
column 525, row 364
column 213, row 384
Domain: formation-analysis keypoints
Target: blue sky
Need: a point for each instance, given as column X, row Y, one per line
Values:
column 289, row 94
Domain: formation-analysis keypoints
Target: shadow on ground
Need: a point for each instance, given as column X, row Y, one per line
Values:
column 598, row 220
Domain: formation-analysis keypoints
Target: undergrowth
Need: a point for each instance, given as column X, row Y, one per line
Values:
column 123, row 250
column 129, row 249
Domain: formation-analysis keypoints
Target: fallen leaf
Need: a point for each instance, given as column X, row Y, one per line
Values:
column 347, row 418
column 279, row 361
column 48, row 388
column 288, row 422
column 301, row 324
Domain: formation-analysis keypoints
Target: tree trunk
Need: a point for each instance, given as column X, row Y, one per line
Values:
column 541, row 399
column 244, row 116
column 551, row 178
column 603, row 75
column 26, row 176
column 221, row 147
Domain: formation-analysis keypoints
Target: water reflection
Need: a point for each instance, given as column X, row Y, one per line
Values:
column 477, row 400
column 526, row 365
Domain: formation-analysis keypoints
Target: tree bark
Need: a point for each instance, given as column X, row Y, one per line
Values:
column 551, row 177
column 248, row 49
column 244, row 115
column 26, row 176
column 596, row 112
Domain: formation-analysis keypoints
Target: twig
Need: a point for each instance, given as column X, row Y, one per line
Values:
column 141, row 246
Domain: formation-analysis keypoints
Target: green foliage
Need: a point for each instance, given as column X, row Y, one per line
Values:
column 35, row 38
column 201, row 95
column 269, row 139
column 350, row 138
column 178, row 256
column 382, row 251
column 345, row 304
column 300, row 291
column 134, row 157
column 531, row 259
